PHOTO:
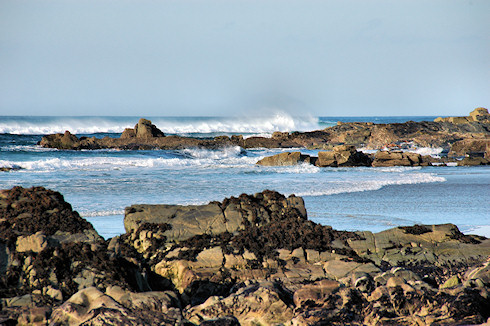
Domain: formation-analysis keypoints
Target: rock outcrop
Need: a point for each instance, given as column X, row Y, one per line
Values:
column 144, row 129
column 441, row 133
column 471, row 148
column 398, row 158
column 341, row 156
column 285, row 159
column 255, row 259
column 477, row 115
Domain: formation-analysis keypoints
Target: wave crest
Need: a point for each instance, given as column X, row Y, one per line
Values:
column 172, row 125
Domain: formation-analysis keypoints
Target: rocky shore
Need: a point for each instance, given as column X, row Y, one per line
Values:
column 251, row 260
column 468, row 135
column 349, row 156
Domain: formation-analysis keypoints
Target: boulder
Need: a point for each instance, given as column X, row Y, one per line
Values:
column 35, row 243
column 473, row 161
column 261, row 303
column 145, row 129
column 397, row 158
column 471, row 148
column 60, row 141
column 341, row 156
column 284, row 159
column 480, row 114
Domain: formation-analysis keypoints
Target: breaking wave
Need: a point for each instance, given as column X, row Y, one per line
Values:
column 359, row 185
column 172, row 125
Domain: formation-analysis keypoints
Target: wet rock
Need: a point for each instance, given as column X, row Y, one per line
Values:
column 284, row 159
column 397, row 158
column 343, row 156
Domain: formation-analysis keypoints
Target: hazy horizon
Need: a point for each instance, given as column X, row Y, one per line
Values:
column 246, row 57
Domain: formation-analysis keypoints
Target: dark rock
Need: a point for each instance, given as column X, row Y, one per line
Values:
column 10, row 168
column 284, row 159
column 343, row 156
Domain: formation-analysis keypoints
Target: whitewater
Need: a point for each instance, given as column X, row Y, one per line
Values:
column 100, row 184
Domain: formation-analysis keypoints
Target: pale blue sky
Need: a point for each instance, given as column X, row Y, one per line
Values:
column 217, row 57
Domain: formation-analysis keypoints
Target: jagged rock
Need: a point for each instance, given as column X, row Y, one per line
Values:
column 343, row 155
column 437, row 245
column 480, row 114
column 144, row 129
column 184, row 222
column 48, row 251
column 397, row 158
column 477, row 115
column 284, row 159
column 340, row 156
column 60, row 141
column 471, row 148
column 373, row 136
column 277, row 268
column 264, row 303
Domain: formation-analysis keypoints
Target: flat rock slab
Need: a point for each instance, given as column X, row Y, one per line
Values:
column 186, row 221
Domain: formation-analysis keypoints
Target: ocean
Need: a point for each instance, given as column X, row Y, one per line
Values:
column 100, row 184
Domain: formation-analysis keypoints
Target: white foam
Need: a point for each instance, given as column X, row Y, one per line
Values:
column 294, row 169
column 370, row 185
column 101, row 213
column 223, row 153
column 427, row 151
column 279, row 121
column 197, row 158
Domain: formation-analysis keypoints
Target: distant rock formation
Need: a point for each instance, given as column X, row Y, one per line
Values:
column 369, row 135
column 255, row 259
column 477, row 115
column 144, row 129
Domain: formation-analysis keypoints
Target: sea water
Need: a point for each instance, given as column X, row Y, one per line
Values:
column 101, row 183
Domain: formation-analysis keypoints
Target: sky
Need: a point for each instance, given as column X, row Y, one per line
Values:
column 227, row 57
